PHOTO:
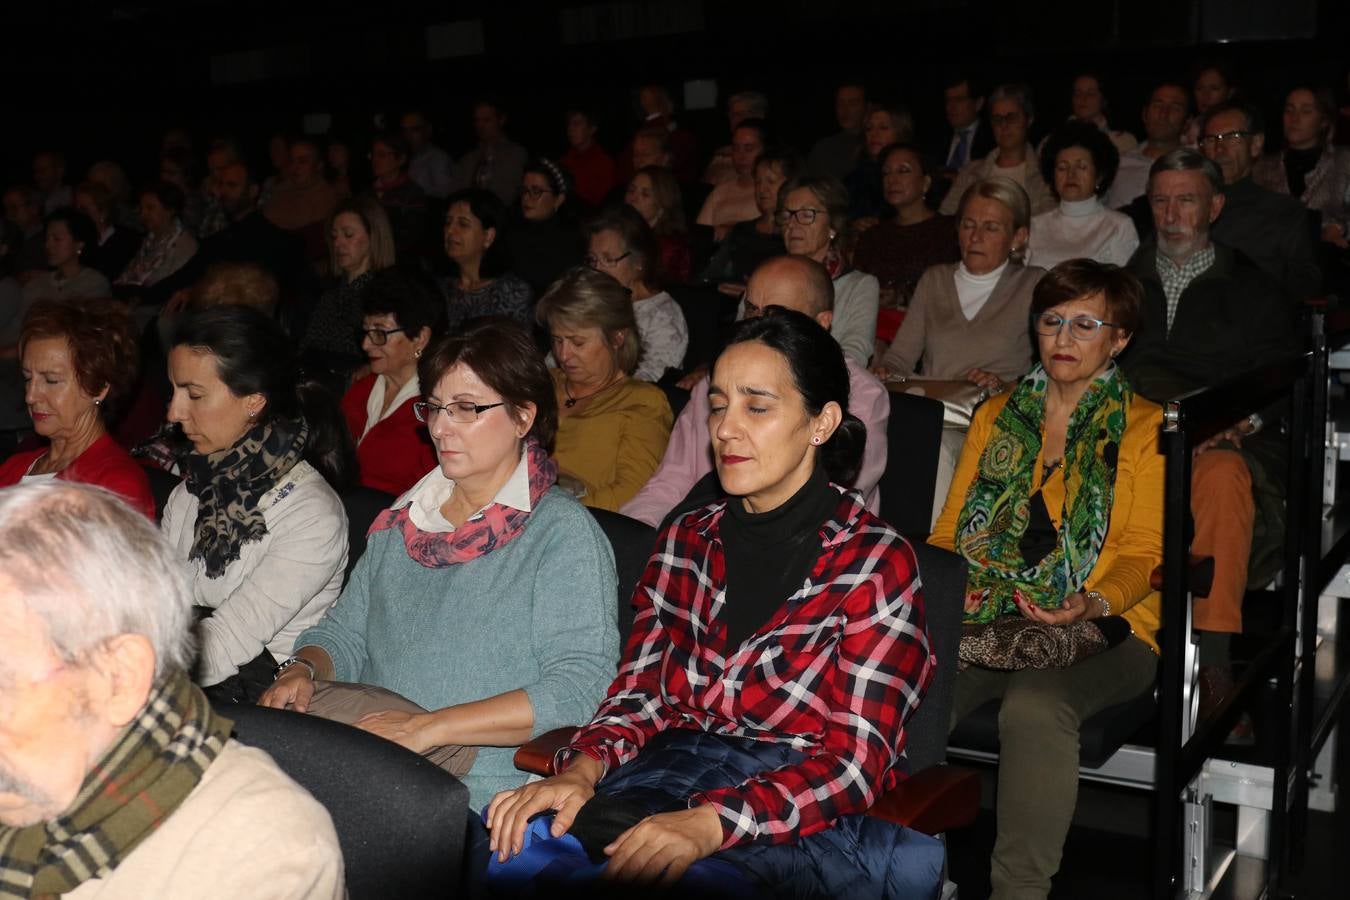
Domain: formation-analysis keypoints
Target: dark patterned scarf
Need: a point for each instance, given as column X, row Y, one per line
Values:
column 136, row 785
column 492, row 528
column 229, row 483
column 999, row 503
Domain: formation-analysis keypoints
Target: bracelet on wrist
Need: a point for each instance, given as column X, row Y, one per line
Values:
column 290, row 662
column 1101, row 601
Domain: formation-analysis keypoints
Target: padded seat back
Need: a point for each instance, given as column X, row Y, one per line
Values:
column 913, row 438
column 632, row 542
column 362, row 505
column 943, row 575
column 400, row 819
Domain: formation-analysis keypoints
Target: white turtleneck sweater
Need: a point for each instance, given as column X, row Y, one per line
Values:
column 1081, row 228
column 974, row 290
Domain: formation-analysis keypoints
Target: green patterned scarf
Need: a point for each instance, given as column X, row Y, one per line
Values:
column 998, row 505
column 139, row 781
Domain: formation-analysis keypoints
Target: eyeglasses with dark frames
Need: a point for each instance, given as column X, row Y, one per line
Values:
column 605, row 262
column 461, row 411
column 378, row 336
column 805, row 216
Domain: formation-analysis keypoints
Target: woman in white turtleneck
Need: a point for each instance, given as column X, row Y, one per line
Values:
column 968, row 320
column 1080, row 161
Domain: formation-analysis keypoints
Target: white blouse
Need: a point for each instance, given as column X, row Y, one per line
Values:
column 1081, row 228
column 664, row 334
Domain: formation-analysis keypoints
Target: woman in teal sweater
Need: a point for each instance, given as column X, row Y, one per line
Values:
column 483, row 610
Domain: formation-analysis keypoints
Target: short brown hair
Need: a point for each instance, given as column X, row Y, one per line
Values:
column 504, row 356
column 102, row 343
column 1077, row 278
column 585, row 298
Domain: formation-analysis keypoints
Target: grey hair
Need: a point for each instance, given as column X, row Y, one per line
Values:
column 1187, row 159
column 90, row 567
column 1018, row 93
column 759, row 104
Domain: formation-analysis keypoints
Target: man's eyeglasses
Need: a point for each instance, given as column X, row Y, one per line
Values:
column 1228, row 137
column 804, row 216
column 378, row 336
column 605, row 262
column 534, row 192
column 1081, row 328
column 461, row 411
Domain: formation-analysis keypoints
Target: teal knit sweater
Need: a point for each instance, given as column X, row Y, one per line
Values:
column 537, row 614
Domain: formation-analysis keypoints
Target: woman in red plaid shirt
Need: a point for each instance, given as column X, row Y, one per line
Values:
column 777, row 651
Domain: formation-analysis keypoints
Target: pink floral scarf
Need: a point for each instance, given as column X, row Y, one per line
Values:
column 492, row 528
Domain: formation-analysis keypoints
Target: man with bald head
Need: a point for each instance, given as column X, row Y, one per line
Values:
column 792, row 282
column 117, row 778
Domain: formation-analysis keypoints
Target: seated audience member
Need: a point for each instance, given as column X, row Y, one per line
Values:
column 885, row 125
column 748, row 244
column 360, row 243
column 68, row 233
column 404, row 201
column 165, row 250
column 278, row 157
column 1213, row 84
column 740, row 107
column 620, row 244
column 658, row 115
column 970, row 137
column 1057, row 507
column 138, row 792
column 49, row 177
column 790, row 282
column 250, row 237
column 337, row 166
column 835, row 156
column 655, row 194
column 1164, row 119
column 303, row 200
column 902, row 247
column 968, row 320
column 236, row 284
column 734, row 200
column 115, row 182
column 1310, row 167
column 257, row 525
column 542, row 236
column 113, row 245
column 1010, row 113
column 497, row 163
column 476, row 245
column 1270, row 229
column 1209, row 315
column 402, row 314
column 223, row 152
column 1080, row 161
column 78, row 361
column 1088, row 102
column 23, row 209
column 178, row 168
column 593, row 170
column 482, row 612
column 705, row 751
column 812, row 213
column 429, row 166
column 612, row 427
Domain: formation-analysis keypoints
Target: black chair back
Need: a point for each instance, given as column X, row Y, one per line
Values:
column 400, row 819
column 943, row 575
column 362, row 505
column 913, row 440
column 632, row 542
column 162, row 484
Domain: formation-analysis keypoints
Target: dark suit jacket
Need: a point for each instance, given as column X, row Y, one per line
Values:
column 1231, row 319
column 1274, row 232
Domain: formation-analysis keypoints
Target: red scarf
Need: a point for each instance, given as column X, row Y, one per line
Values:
column 495, row 526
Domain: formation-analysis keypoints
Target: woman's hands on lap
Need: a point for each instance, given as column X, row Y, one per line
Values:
column 415, row 731
column 293, row 690
column 509, row 812
column 1075, row 607
column 663, row 846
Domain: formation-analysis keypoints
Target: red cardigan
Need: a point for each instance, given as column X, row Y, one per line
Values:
column 105, row 464
column 397, row 451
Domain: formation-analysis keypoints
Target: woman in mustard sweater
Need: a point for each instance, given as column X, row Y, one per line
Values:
column 1057, row 505
column 612, row 428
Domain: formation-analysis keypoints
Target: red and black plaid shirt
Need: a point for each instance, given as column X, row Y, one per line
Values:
column 835, row 673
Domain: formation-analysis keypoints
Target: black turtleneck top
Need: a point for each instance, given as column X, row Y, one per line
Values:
column 769, row 554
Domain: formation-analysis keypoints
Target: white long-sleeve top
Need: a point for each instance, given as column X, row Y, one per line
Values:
column 664, row 333
column 1081, row 228
column 279, row 585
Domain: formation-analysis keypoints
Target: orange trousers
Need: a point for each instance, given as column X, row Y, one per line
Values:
column 1224, row 512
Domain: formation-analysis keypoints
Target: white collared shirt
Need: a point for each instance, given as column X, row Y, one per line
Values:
column 376, row 412
column 426, row 498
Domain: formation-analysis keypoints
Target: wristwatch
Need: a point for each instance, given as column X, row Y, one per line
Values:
column 294, row 661
column 1091, row 595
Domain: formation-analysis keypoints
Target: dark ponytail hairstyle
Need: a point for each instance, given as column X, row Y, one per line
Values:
column 254, row 356
column 820, row 375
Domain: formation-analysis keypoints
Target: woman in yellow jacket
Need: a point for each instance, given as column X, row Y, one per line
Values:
column 1057, row 506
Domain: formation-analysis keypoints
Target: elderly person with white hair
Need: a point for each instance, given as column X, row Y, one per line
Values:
column 117, row 780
